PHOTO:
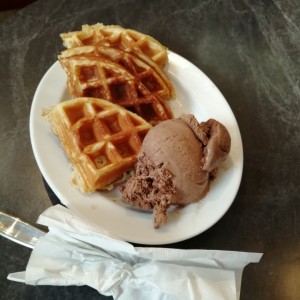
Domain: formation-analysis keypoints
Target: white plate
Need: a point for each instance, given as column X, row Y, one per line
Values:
column 195, row 94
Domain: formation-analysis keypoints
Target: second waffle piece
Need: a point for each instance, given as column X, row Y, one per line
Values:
column 120, row 77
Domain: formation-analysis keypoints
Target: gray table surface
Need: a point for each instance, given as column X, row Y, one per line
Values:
column 249, row 49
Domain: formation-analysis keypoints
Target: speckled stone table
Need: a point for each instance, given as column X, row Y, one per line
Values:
column 249, row 49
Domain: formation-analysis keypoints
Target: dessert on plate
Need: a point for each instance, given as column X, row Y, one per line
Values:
column 120, row 91
column 178, row 160
column 101, row 140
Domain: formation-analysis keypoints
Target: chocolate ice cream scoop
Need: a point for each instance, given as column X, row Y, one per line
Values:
column 178, row 159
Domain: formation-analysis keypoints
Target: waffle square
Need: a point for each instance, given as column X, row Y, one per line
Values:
column 101, row 140
column 120, row 77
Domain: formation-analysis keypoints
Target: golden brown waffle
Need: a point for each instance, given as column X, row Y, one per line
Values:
column 120, row 77
column 115, row 36
column 101, row 140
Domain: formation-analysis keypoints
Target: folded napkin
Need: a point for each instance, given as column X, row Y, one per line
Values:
column 77, row 252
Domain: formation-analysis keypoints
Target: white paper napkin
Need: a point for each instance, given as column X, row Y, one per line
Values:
column 77, row 252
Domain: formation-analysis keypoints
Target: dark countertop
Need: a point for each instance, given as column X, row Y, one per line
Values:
column 249, row 49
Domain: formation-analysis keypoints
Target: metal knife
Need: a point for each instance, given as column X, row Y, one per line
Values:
column 18, row 231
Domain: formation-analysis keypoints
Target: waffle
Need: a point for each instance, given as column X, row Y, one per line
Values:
column 119, row 77
column 101, row 140
column 117, row 37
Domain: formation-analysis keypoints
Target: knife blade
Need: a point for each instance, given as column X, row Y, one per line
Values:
column 19, row 231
